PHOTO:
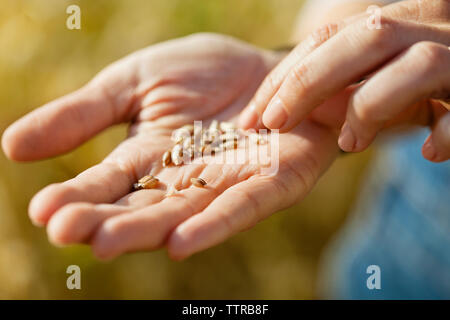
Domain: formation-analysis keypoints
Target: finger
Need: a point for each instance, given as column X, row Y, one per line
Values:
column 421, row 72
column 437, row 146
column 344, row 59
column 250, row 117
column 240, row 207
column 148, row 228
column 65, row 123
column 237, row 209
column 102, row 183
column 332, row 112
column 75, row 222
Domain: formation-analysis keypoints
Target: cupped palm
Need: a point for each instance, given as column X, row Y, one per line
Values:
column 158, row 89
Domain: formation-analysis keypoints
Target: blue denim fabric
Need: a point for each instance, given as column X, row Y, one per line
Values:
column 401, row 224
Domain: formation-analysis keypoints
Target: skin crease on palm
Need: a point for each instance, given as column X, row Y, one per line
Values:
column 157, row 89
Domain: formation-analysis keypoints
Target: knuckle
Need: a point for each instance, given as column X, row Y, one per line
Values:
column 380, row 39
column 365, row 116
column 384, row 37
column 438, row 9
column 300, row 77
column 271, row 83
column 361, row 106
column 443, row 9
column 322, row 34
column 432, row 55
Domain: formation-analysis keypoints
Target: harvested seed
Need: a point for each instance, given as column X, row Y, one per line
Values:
column 228, row 136
column 184, row 132
column 177, row 155
column 208, row 150
column 189, row 128
column 227, row 126
column 195, row 141
column 198, row 182
column 214, row 126
column 187, row 143
column 166, row 158
column 146, row 182
column 229, row 145
column 210, row 135
column 257, row 138
column 177, row 139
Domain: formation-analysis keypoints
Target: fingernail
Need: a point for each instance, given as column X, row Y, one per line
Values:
column 428, row 150
column 275, row 115
column 248, row 118
column 346, row 139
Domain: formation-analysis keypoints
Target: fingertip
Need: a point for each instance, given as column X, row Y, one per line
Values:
column 437, row 146
column 38, row 207
column 58, row 231
column 275, row 116
column 176, row 256
column 346, row 140
column 431, row 152
column 71, row 224
column 46, row 202
column 12, row 143
column 177, row 247
column 428, row 149
column 192, row 236
column 351, row 140
column 6, row 143
column 103, row 246
column 102, row 255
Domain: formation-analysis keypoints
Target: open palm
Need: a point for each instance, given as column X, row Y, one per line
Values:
column 158, row 89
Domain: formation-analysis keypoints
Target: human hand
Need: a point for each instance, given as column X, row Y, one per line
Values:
column 158, row 89
column 406, row 65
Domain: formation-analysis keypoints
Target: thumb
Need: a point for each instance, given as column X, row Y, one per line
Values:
column 67, row 122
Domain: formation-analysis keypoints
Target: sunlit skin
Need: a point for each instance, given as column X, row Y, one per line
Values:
column 157, row 89
column 206, row 77
column 406, row 64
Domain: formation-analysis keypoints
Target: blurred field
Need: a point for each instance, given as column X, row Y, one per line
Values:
column 40, row 60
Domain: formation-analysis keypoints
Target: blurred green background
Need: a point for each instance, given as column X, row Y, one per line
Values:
column 40, row 59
